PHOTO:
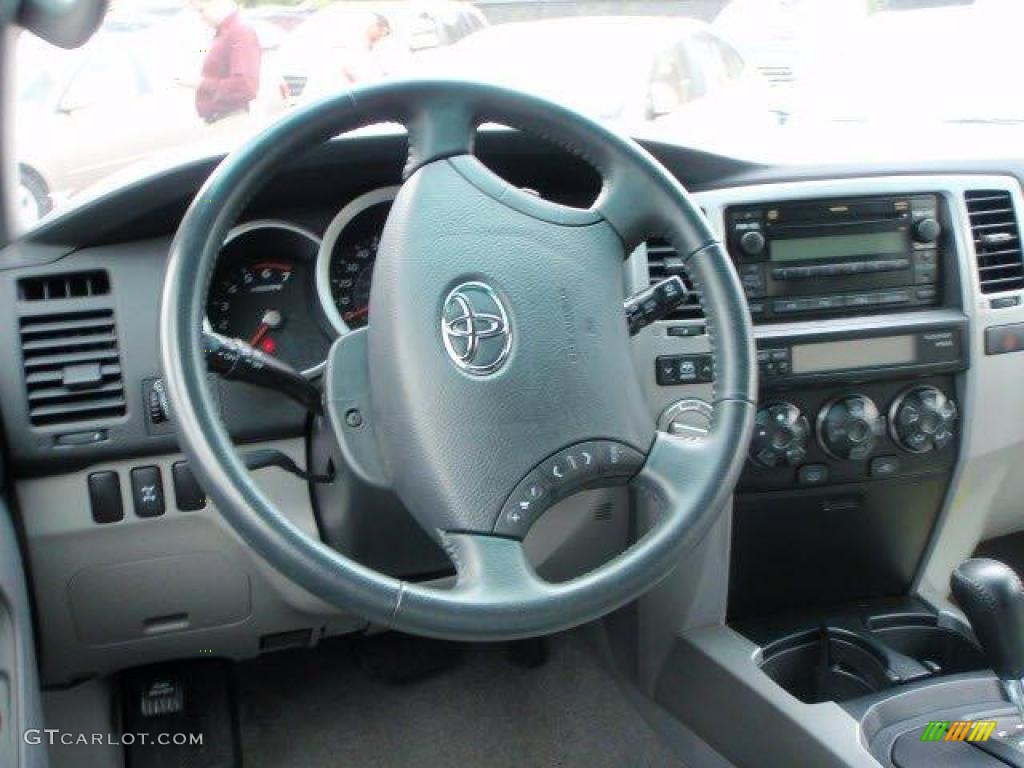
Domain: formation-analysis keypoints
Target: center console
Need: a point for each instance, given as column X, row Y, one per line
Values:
column 869, row 308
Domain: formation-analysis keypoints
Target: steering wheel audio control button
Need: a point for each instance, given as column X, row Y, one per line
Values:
column 590, row 464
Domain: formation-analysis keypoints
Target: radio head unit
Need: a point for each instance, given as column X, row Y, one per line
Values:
column 837, row 256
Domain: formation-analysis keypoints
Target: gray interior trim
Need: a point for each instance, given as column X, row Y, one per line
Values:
column 20, row 702
column 65, row 545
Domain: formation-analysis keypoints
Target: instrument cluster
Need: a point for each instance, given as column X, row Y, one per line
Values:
column 281, row 289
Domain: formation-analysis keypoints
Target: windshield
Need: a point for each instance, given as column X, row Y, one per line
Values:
column 776, row 80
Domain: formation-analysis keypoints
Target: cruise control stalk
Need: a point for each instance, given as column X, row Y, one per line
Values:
column 654, row 303
column 234, row 360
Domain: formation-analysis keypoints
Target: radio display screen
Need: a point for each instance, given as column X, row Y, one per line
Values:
column 837, row 246
column 831, row 356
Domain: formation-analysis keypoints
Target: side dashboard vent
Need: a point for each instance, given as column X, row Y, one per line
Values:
column 72, row 368
column 662, row 262
column 69, row 286
column 996, row 240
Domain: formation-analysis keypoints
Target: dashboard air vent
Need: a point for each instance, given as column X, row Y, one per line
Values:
column 996, row 240
column 69, row 286
column 662, row 262
column 72, row 368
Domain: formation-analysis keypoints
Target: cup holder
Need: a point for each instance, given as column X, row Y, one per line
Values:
column 943, row 650
column 825, row 665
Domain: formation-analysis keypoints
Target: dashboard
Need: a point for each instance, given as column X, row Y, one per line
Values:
column 888, row 314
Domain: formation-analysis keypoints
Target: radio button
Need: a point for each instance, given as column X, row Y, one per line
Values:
column 925, row 275
column 893, row 297
column 860, row 300
column 926, row 294
column 925, row 258
column 752, row 277
column 785, row 306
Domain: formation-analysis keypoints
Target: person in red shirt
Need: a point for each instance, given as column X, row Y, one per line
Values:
column 230, row 77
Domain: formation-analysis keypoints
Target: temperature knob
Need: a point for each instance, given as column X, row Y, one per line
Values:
column 922, row 420
column 780, row 436
column 849, row 427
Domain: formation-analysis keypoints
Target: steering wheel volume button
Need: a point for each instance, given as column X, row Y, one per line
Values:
column 593, row 463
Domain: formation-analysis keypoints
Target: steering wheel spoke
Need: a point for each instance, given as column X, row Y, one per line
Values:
column 439, row 126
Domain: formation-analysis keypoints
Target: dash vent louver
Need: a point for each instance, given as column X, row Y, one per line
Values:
column 996, row 240
column 662, row 262
column 72, row 367
column 75, row 285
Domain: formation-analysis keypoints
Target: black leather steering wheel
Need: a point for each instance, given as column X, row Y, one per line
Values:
column 536, row 289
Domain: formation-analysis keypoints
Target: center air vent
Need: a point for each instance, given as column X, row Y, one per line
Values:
column 662, row 262
column 72, row 368
column 996, row 240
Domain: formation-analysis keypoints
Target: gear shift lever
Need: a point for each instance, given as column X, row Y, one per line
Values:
column 992, row 597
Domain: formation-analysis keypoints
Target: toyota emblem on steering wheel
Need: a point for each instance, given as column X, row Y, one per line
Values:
column 475, row 328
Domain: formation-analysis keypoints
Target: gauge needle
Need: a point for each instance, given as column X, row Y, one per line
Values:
column 271, row 320
column 361, row 312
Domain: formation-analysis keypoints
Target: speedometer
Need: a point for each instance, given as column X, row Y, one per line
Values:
column 347, row 256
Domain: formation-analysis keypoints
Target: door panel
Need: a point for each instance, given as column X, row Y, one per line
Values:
column 20, row 704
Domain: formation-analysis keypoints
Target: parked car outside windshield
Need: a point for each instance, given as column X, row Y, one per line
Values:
column 775, row 80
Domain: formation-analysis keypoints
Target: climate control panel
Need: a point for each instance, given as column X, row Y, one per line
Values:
column 835, row 435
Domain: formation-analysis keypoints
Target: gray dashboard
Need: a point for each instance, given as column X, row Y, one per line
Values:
column 79, row 565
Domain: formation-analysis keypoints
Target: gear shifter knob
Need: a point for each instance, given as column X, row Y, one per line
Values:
column 992, row 597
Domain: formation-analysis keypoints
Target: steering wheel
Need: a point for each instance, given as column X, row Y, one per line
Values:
column 498, row 350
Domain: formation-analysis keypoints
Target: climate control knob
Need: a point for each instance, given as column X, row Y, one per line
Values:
column 780, row 436
column 849, row 427
column 922, row 419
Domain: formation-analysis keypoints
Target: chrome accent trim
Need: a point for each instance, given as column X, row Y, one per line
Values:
column 323, row 258
column 470, row 325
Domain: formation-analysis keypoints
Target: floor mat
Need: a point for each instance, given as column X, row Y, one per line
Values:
column 320, row 709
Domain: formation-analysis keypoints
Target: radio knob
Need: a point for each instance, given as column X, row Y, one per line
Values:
column 927, row 230
column 780, row 436
column 752, row 243
column 922, row 420
column 849, row 427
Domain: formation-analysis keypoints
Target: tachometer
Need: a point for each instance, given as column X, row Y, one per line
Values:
column 263, row 293
column 347, row 256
